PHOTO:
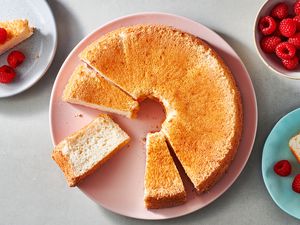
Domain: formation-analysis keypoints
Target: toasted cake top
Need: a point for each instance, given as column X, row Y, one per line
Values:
column 87, row 87
column 17, row 27
column 162, row 178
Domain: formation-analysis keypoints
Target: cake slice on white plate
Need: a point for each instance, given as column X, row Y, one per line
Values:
column 17, row 31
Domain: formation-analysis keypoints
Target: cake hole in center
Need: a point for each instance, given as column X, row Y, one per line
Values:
column 152, row 113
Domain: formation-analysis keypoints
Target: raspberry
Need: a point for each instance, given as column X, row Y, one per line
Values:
column 15, row 58
column 288, row 27
column 268, row 44
column 297, row 19
column 267, row 25
column 295, row 40
column 290, row 64
column 282, row 168
column 285, row 50
column 280, row 11
column 296, row 184
column 297, row 7
column 3, row 35
column 7, row 74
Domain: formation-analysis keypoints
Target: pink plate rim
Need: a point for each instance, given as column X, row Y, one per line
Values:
column 194, row 26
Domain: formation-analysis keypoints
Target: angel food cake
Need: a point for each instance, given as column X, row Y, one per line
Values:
column 203, row 106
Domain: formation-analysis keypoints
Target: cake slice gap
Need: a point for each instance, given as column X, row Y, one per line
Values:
column 187, row 183
column 81, row 153
column 108, row 51
column 163, row 184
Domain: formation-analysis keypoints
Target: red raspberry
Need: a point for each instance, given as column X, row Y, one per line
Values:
column 295, row 40
column 268, row 44
column 280, row 11
column 3, row 35
column 297, row 19
column 15, row 58
column 297, row 7
column 282, row 168
column 7, row 74
column 296, row 184
column 267, row 25
column 290, row 64
column 288, row 27
column 285, row 50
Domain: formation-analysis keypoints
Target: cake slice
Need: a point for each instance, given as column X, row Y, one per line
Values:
column 294, row 145
column 81, row 153
column 17, row 31
column 163, row 185
column 86, row 87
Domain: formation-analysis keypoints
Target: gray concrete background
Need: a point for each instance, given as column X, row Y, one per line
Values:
column 31, row 190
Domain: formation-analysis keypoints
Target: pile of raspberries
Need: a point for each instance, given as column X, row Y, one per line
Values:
column 281, row 34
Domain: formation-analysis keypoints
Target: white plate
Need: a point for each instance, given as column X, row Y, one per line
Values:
column 39, row 49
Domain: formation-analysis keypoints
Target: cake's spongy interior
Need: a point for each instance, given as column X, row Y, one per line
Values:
column 100, row 139
column 295, row 144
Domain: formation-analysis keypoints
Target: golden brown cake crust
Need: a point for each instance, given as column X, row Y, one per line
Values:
column 64, row 164
column 203, row 104
column 17, row 31
column 86, row 87
column 163, row 185
column 16, row 27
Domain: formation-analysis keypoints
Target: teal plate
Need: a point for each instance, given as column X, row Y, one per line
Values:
column 276, row 148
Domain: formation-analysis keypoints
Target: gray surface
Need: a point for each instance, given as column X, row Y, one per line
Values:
column 32, row 189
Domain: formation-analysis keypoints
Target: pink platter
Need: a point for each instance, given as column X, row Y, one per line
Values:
column 118, row 184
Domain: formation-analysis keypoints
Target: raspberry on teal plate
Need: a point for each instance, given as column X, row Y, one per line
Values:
column 276, row 148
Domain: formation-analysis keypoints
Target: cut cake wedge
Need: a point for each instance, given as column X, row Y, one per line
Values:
column 86, row 87
column 17, row 31
column 163, row 184
column 81, row 153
